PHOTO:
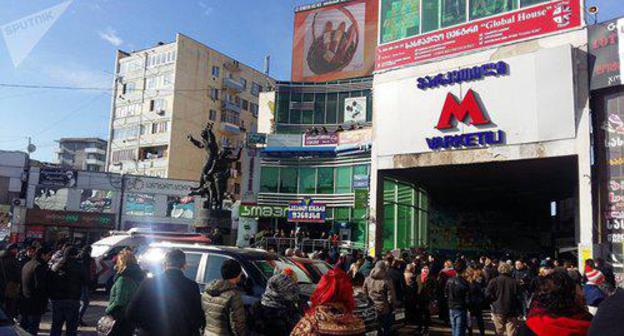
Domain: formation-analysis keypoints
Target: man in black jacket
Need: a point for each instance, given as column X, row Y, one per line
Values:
column 504, row 292
column 35, row 278
column 168, row 304
column 457, row 293
column 67, row 281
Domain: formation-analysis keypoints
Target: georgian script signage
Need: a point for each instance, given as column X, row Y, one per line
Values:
column 256, row 211
column 463, row 75
column 320, row 139
column 70, row 218
column 306, row 211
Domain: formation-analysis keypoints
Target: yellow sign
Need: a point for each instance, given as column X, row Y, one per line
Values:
column 585, row 252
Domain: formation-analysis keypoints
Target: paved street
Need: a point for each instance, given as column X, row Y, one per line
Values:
column 98, row 304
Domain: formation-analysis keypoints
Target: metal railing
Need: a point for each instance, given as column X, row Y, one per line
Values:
column 279, row 245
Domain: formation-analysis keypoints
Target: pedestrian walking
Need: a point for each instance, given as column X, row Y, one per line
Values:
column 88, row 266
column 67, row 281
column 128, row 278
column 476, row 281
column 364, row 307
column 425, row 295
column 9, row 280
column 331, row 310
column 379, row 287
column 223, row 304
column 522, row 275
column 457, row 293
column 410, row 293
column 443, row 276
column 280, row 304
column 555, row 309
column 504, row 293
column 169, row 303
column 35, row 294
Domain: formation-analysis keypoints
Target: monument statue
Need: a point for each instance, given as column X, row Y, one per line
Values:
column 216, row 170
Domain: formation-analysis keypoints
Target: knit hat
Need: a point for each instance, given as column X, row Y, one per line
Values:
column 230, row 269
column 595, row 277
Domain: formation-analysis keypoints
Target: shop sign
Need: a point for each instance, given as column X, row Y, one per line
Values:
column 70, row 218
column 355, row 137
column 463, row 75
column 158, row 185
column 455, row 111
column 57, row 177
column 256, row 211
column 360, row 181
column 523, row 24
column 605, row 53
column 320, row 139
column 306, row 211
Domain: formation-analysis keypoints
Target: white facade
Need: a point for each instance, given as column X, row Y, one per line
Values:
column 542, row 105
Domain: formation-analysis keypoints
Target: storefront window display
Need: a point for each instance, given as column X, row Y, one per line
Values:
column 325, row 180
column 343, row 180
column 288, row 180
column 51, row 198
column 269, row 179
column 307, row 180
column 180, row 207
column 140, row 205
column 92, row 200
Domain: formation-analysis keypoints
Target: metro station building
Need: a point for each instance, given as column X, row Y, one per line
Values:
column 485, row 151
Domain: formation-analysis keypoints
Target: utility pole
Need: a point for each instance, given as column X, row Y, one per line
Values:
column 121, row 201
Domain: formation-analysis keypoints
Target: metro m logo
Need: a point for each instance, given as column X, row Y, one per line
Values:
column 468, row 107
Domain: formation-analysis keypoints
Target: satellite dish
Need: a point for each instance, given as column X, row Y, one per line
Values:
column 31, row 148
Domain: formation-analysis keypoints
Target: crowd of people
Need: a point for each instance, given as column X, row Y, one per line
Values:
column 39, row 278
column 524, row 297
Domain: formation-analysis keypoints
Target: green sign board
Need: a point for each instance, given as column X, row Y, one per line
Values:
column 255, row 211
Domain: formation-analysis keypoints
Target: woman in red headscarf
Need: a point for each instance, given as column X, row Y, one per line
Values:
column 331, row 312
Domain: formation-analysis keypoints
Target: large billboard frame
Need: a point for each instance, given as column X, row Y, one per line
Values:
column 378, row 69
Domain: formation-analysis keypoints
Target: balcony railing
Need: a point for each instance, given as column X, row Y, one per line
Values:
column 229, row 83
column 229, row 106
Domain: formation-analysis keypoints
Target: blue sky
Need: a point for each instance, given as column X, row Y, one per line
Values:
column 79, row 50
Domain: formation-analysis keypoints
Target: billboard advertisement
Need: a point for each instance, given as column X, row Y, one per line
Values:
column 442, row 28
column 605, row 53
column 334, row 40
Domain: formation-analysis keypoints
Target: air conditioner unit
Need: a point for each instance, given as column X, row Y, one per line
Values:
column 161, row 112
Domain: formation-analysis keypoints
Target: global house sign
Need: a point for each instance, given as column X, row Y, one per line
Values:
column 469, row 110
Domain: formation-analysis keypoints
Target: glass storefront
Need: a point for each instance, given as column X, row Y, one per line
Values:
column 406, row 209
column 306, row 180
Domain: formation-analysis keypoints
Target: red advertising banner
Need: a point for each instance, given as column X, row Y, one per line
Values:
column 531, row 22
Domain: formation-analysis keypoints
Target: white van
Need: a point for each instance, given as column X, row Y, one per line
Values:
column 105, row 250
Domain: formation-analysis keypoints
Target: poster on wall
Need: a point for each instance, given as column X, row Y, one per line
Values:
column 605, row 53
column 140, row 204
column 180, row 207
column 51, row 198
column 355, row 110
column 334, row 40
column 421, row 36
column 92, row 200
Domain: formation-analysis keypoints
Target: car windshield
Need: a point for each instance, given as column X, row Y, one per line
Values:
column 322, row 267
column 269, row 267
column 99, row 249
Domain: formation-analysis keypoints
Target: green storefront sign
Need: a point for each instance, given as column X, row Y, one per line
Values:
column 254, row 211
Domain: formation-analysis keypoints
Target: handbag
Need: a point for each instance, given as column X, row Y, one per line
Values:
column 105, row 325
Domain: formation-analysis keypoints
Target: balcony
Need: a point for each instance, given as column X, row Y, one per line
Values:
column 233, row 85
column 230, row 128
column 232, row 66
column 229, row 106
column 95, row 162
column 94, row 150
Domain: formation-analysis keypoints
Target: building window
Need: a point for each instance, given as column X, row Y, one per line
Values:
column 245, row 104
column 125, row 132
column 161, row 58
column 158, row 105
column 405, row 215
column 214, row 94
column 307, row 180
column 128, row 88
column 160, row 127
column 128, row 110
column 256, row 89
column 243, row 82
column 215, row 71
column 124, row 155
column 288, row 180
column 253, row 108
column 343, row 180
column 268, row 179
column 212, row 115
column 325, row 181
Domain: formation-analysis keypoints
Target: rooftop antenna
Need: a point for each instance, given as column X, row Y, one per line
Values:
column 267, row 64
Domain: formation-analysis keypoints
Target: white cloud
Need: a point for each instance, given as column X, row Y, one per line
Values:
column 207, row 10
column 75, row 75
column 110, row 36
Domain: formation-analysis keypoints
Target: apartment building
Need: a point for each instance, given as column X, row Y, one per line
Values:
column 171, row 90
column 82, row 153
